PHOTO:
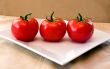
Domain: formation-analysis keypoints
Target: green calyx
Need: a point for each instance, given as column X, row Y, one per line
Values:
column 51, row 19
column 26, row 17
column 80, row 18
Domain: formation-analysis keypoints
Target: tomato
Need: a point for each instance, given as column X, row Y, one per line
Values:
column 80, row 29
column 24, row 28
column 53, row 29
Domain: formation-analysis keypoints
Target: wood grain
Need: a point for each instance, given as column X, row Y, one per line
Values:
column 13, row 56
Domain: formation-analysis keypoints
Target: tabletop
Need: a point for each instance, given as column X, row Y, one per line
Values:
column 13, row 56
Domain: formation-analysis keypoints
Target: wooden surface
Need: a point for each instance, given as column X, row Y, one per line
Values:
column 16, row 57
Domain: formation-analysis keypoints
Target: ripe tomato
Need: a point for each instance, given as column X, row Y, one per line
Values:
column 80, row 29
column 53, row 29
column 25, row 29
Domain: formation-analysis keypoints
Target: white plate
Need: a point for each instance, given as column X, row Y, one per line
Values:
column 59, row 52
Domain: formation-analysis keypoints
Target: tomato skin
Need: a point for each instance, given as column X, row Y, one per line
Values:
column 79, row 31
column 24, row 30
column 53, row 31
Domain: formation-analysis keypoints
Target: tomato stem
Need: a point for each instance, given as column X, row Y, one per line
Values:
column 51, row 19
column 21, row 17
column 79, row 17
column 26, row 17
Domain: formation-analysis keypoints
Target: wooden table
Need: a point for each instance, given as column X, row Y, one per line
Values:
column 16, row 57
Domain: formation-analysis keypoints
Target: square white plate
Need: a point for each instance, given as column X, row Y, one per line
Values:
column 59, row 52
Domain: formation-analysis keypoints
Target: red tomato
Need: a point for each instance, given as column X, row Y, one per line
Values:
column 80, row 29
column 25, row 29
column 53, row 29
